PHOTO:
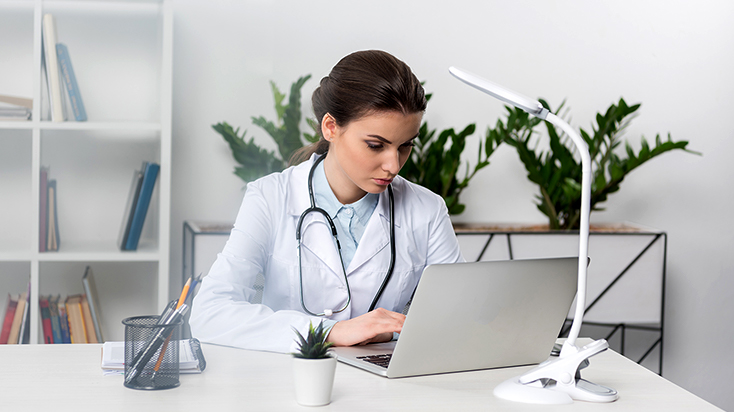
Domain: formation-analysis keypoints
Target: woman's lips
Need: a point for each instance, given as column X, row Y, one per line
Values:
column 383, row 182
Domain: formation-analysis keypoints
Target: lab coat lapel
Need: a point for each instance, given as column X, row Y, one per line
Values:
column 376, row 235
column 317, row 241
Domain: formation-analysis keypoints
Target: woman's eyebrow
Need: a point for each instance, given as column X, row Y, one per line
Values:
column 380, row 138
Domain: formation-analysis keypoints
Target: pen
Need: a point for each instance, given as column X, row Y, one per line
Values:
column 172, row 305
column 146, row 354
column 181, row 300
column 192, row 289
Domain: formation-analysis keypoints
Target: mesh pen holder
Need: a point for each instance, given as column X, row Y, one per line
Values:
column 145, row 339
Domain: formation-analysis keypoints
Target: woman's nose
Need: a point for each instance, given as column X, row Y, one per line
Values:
column 391, row 163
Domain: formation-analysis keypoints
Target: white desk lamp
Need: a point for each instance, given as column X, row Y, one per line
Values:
column 557, row 380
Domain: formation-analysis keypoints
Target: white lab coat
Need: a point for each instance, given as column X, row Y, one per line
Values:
column 263, row 241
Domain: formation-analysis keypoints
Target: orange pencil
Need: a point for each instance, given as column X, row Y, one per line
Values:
column 184, row 293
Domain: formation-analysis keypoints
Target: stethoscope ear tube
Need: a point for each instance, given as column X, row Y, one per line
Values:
column 392, row 249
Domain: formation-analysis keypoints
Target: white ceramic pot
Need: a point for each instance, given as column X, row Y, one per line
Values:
column 314, row 379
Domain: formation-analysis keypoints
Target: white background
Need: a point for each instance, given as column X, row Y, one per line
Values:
column 674, row 57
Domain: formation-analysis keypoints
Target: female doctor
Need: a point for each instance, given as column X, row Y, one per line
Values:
column 370, row 108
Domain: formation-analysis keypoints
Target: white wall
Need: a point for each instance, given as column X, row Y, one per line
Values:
column 676, row 57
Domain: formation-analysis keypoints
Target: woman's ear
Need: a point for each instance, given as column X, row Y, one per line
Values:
column 328, row 127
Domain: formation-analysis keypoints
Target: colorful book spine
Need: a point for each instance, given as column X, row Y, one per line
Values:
column 67, row 73
column 76, row 319
column 64, row 322
column 52, row 68
column 90, row 290
column 17, row 319
column 43, row 218
column 9, row 316
column 132, row 200
column 48, row 334
column 88, row 323
column 53, row 308
column 141, row 208
column 54, row 239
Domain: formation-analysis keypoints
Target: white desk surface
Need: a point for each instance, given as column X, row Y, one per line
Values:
column 69, row 377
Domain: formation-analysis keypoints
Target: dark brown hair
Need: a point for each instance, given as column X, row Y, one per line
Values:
column 362, row 83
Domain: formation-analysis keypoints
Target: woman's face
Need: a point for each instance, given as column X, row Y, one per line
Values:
column 367, row 153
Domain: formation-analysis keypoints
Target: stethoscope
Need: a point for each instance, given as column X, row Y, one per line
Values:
column 314, row 208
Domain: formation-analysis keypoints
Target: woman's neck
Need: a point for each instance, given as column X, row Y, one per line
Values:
column 341, row 185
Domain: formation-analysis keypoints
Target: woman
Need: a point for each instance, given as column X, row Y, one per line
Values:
column 370, row 109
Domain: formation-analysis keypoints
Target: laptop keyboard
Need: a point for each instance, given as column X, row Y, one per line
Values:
column 379, row 360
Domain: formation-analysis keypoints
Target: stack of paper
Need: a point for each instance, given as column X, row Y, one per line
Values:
column 113, row 358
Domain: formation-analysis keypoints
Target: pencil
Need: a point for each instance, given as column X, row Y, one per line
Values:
column 181, row 301
column 184, row 293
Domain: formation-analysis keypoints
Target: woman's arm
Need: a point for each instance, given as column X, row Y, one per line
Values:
column 222, row 312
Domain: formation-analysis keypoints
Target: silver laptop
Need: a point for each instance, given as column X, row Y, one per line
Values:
column 469, row 316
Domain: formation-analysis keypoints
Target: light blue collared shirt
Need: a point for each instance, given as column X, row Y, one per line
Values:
column 350, row 220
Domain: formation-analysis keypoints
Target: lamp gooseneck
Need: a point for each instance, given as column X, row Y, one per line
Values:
column 557, row 380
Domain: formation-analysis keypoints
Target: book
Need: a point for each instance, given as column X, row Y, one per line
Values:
column 64, row 323
column 14, row 113
column 51, row 63
column 17, row 101
column 90, row 289
column 132, row 200
column 53, row 308
column 53, row 240
column 17, row 319
column 48, row 335
column 88, row 324
column 43, row 218
column 70, row 83
column 150, row 176
column 191, row 358
column 15, row 108
column 76, row 319
column 24, row 335
column 10, row 308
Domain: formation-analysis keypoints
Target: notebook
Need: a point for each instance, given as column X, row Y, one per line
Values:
column 470, row 316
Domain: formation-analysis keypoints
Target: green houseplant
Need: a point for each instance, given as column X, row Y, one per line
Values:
column 557, row 171
column 255, row 161
column 434, row 162
column 313, row 367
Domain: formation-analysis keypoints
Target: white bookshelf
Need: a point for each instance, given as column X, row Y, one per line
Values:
column 121, row 53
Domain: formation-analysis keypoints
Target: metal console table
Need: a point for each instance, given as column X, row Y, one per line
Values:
column 639, row 254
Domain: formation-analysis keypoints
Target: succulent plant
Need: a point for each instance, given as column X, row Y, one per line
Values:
column 314, row 345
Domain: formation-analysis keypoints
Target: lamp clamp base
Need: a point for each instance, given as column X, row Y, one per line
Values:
column 558, row 380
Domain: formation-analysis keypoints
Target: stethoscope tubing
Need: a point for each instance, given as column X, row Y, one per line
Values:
column 321, row 211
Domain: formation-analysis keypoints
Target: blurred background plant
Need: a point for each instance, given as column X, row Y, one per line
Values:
column 255, row 161
column 434, row 162
column 557, row 172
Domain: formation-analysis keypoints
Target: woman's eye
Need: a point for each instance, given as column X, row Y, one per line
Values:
column 374, row 146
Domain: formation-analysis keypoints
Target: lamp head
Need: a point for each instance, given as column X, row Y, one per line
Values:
column 527, row 104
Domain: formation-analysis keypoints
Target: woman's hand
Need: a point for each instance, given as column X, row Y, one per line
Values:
column 375, row 326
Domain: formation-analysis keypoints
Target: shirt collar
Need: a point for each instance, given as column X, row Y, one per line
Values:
column 326, row 199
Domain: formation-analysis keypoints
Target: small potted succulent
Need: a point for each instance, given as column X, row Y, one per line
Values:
column 313, row 367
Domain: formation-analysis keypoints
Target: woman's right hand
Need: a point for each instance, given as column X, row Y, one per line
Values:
column 375, row 326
